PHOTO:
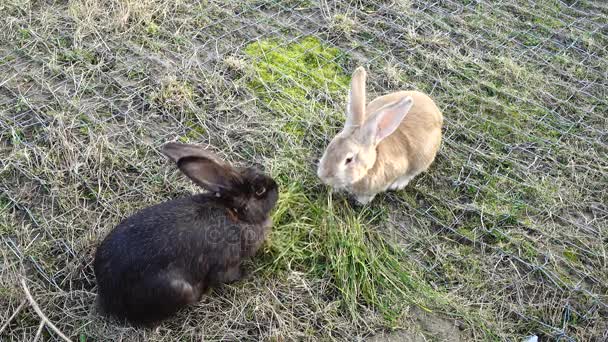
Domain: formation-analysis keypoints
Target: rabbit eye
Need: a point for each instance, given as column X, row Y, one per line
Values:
column 260, row 191
column 348, row 160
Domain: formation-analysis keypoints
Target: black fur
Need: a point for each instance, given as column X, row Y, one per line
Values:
column 164, row 257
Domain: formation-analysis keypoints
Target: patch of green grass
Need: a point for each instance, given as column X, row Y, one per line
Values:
column 549, row 21
column 496, row 236
column 502, row 195
column 152, row 28
column 195, row 132
column 17, row 136
column 528, row 250
column 136, row 73
column 326, row 238
column 77, row 55
column 25, row 34
column 467, row 232
column 288, row 76
column 571, row 255
column 461, row 258
column 86, row 124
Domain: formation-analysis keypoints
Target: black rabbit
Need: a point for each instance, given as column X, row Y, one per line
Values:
column 164, row 257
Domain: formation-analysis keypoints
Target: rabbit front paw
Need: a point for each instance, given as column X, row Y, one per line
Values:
column 364, row 199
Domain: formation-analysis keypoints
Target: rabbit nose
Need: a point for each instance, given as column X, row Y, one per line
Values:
column 324, row 174
column 319, row 173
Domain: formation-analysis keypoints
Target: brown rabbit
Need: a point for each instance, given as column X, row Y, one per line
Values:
column 164, row 257
column 384, row 145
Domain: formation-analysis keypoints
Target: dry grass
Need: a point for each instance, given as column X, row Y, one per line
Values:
column 504, row 237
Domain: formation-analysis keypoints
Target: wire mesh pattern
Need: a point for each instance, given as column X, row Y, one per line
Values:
column 511, row 220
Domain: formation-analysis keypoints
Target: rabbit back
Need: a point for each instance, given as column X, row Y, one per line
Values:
column 410, row 150
column 413, row 146
column 163, row 257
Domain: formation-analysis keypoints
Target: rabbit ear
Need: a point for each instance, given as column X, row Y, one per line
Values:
column 385, row 121
column 209, row 174
column 203, row 167
column 175, row 151
column 356, row 99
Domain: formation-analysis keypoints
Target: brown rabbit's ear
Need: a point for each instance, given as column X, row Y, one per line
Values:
column 355, row 109
column 385, row 121
column 203, row 167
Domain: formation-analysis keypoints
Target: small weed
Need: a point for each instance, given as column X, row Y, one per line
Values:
column 152, row 28
column 175, row 96
column 571, row 255
column 342, row 24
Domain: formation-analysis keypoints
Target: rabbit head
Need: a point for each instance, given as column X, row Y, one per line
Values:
column 352, row 152
column 248, row 192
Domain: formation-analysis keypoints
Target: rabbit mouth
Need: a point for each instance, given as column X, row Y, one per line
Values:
column 337, row 185
column 330, row 180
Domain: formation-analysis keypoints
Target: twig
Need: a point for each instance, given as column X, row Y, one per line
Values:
column 8, row 321
column 8, row 79
column 39, row 331
column 40, row 313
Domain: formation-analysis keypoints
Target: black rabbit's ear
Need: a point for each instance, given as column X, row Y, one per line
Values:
column 209, row 174
column 175, row 151
column 203, row 167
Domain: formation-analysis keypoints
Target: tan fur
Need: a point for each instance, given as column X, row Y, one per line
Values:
column 408, row 151
column 394, row 161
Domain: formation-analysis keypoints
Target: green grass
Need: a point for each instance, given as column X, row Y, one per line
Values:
column 331, row 240
column 289, row 75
